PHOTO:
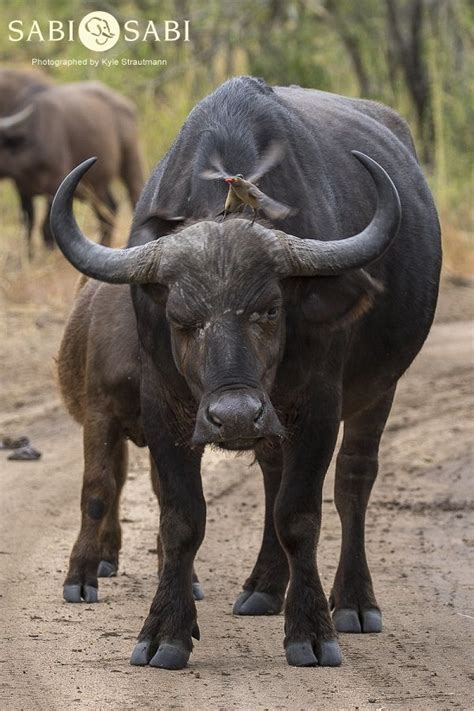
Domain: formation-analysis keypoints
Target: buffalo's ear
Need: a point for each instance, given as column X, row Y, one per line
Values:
column 156, row 225
column 157, row 292
column 340, row 300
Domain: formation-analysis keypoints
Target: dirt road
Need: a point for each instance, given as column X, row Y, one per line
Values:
column 420, row 542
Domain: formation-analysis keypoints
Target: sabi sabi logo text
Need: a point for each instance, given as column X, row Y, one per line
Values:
column 99, row 31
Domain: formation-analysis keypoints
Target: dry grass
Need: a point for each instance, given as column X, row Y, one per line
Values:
column 48, row 280
column 458, row 250
column 36, row 298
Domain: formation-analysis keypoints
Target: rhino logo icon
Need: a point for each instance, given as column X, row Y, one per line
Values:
column 99, row 31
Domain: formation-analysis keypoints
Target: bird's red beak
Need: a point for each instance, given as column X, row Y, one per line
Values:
column 229, row 180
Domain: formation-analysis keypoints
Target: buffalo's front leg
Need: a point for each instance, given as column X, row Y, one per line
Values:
column 198, row 591
column 264, row 590
column 352, row 597
column 310, row 638
column 165, row 639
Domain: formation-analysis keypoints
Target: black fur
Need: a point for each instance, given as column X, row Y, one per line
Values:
column 342, row 345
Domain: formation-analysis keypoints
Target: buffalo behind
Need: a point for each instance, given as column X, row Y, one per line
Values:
column 46, row 130
column 253, row 336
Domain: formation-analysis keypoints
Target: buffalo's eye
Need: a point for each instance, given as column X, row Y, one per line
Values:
column 273, row 312
column 186, row 327
column 262, row 317
column 14, row 141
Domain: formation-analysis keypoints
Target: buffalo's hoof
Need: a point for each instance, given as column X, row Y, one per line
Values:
column 198, row 592
column 106, row 569
column 196, row 632
column 256, row 603
column 139, row 656
column 329, row 653
column 169, row 655
column 302, row 654
column 77, row 593
column 371, row 620
column 351, row 621
column 347, row 621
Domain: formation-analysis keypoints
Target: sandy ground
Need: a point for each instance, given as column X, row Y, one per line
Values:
column 420, row 543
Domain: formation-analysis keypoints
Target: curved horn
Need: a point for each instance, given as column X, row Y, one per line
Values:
column 307, row 257
column 15, row 119
column 116, row 266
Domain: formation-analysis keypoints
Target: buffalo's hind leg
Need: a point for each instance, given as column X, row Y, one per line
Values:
column 111, row 531
column 352, row 599
column 48, row 238
column 264, row 590
column 106, row 210
column 97, row 546
column 28, row 215
column 198, row 592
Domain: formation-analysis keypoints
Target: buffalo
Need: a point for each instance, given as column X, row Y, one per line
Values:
column 56, row 127
column 260, row 336
column 100, row 384
column 17, row 88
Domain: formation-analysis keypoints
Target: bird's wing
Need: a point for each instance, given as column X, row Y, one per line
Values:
column 218, row 169
column 209, row 174
column 271, row 157
column 273, row 209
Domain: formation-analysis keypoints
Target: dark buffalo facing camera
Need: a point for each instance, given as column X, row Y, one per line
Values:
column 252, row 335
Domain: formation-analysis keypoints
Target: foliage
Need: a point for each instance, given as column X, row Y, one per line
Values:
column 412, row 54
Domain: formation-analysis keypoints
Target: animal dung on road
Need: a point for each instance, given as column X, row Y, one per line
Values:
column 25, row 454
column 14, row 442
column 22, row 449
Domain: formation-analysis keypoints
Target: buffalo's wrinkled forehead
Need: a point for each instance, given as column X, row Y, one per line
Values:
column 218, row 265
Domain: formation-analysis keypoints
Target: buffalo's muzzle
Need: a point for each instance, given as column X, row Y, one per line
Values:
column 236, row 419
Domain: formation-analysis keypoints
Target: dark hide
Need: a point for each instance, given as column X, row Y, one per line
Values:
column 341, row 359
column 17, row 89
column 98, row 373
column 313, row 351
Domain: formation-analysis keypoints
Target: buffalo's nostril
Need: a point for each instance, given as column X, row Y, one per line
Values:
column 213, row 416
column 235, row 411
column 235, row 418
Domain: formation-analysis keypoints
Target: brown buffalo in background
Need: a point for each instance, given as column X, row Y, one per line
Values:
column 17, row 88
column 52, row 129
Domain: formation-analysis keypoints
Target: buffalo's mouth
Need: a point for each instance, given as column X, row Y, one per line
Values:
column 239, row 445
